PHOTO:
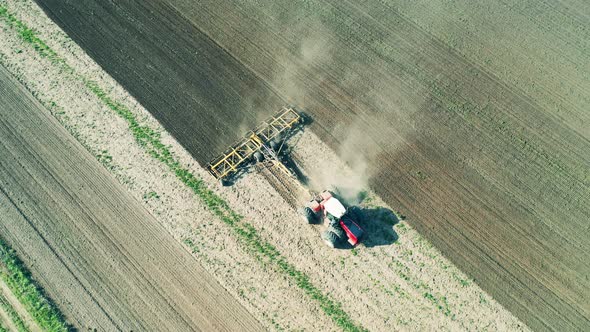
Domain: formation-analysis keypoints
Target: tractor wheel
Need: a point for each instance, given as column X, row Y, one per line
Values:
column 258, row 156
column 330, row 239
column 308, row 215
column 338, row 231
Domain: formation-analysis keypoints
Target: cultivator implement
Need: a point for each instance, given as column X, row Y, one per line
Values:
column 264, row 143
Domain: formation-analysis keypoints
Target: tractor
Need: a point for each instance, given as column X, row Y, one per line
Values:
column 342, row 222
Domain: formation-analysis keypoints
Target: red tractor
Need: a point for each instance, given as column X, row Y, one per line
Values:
column 342, row 222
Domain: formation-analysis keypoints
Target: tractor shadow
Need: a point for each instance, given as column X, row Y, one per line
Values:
column 378, row 224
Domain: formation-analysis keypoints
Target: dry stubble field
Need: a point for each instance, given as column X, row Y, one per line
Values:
column 472, row 117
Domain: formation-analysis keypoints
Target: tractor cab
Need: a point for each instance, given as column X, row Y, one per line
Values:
column 333, row 207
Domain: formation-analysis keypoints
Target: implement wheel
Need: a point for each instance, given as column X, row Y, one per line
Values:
column 274, row 145
column 258, row 156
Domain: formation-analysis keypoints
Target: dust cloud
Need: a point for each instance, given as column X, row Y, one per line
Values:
column 350, row 184
column 316, row 70
column 317, row 50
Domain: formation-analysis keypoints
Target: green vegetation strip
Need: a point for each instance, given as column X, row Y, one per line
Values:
column 14, row 273
column 14, row 317
column 151, row 141
column 27, row 34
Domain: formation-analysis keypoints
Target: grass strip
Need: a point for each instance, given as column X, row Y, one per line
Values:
column 151, row 141
column 14, row 317
column 19, row 280
column 27, row 35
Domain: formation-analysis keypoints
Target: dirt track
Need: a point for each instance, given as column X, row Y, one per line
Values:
column 95, row 250
column 497, row 181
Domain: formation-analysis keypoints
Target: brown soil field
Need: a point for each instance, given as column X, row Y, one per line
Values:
column 96, row 251
column 477, row 134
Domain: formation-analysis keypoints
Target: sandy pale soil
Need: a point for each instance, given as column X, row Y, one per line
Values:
column 133, row 271
column 396, row 280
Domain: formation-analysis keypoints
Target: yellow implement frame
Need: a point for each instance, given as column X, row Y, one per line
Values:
column 239, row 154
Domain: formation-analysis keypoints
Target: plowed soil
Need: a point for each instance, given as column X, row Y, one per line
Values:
column 92, row 246
column 488, row 158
